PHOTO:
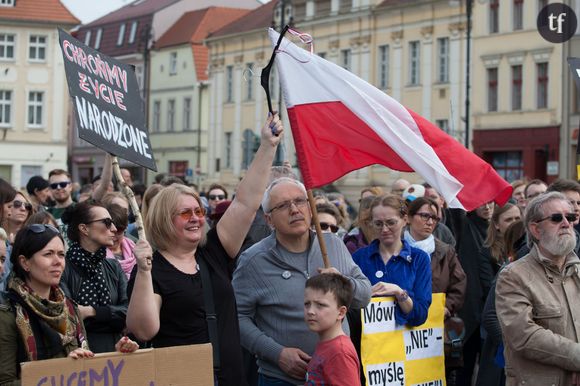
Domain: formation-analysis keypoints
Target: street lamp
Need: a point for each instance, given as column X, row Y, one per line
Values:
column 468, row 9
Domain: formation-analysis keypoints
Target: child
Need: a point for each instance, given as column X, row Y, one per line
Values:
column 334, row 361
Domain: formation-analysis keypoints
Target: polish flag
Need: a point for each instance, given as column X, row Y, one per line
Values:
column 341, row 123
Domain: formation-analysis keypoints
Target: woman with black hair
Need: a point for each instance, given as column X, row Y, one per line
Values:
column 96, row 283
column 38, row 321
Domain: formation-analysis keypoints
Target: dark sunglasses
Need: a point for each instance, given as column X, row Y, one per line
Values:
column 41, row 228
column 324, row 226
column 107, row 221
column 217, row 197
column 557, row 218
column 187, row 214
column 59, row 185
column 18, row 204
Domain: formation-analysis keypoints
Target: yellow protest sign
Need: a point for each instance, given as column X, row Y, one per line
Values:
column 398, row 355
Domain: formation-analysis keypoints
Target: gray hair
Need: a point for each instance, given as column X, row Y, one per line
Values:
column 277, row 181
column 535, row 212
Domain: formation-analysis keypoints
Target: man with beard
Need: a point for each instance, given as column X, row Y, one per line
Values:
column 538, row 299
column 269, row 285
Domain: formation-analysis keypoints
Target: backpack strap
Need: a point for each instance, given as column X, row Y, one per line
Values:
column 210, row 314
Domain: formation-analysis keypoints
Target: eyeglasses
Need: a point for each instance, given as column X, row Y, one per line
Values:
column 378, row 224
column 41, row 228
column 59, row 185
column 557, row 218
column 428, row 216
column 188, row 213
column 286, row 205
column 107, row 221
column 18, row 204
column 324, row 226
column 217, row 197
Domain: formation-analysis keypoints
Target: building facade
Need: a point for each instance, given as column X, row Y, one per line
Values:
column 33, row 117
column 414, row 51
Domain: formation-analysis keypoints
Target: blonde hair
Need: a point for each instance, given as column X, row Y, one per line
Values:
column 159, row 226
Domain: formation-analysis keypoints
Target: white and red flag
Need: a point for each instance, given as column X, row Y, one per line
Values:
column 341, row 123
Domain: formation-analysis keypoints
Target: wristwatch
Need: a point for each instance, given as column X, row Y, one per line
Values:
column 403, row 297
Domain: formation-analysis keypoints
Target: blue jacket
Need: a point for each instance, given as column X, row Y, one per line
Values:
column 410, row 270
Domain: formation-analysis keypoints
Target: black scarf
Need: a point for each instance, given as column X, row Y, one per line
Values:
column 94, row 291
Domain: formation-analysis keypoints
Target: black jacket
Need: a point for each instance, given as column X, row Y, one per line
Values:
column 104, row 329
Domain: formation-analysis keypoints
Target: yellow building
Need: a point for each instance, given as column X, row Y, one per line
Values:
column 34, row 109
column 414, row 51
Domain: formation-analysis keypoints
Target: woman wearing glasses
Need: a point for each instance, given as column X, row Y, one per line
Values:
column 447, row 275
column 96, row 283
column 169, row 302
column 393, row 266
column 20, row 210
column 329, row 218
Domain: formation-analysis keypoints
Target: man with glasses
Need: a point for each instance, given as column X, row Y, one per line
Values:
column 61, row 186
column 538, row 299
column 269, row 285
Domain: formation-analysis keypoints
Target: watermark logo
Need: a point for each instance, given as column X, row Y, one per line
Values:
column 557, row 23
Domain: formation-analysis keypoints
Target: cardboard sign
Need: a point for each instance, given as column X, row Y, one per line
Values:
column 176, row 366
column 109, row 110
column 398, row 355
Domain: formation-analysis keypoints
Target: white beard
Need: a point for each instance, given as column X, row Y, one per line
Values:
column 558, row 246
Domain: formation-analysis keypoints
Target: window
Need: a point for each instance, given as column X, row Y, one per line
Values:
column 250, row 144
column 5, row 108
column 37, row 48
column 492, row 89
column 273, row 83
column 133, row 32
column 186, row 113
column 173, row 63
column 121, row 34
column 443, row 124
column 98, row 38
column 443, row 60
column 508, row 164
column 7, row 3
column 6, row 46
column 414, row 64
column 250, row 83
column 518, row 14
column 345, row 59
column 542, row 89
column 516, row 88
column 493, row 16
column 178, row 168
column 156, row 115
column 35, row 107
column 383, row 66
column 229, row 83
column 542, row 4
column 88, row 38
column 322, row 55
column 228, row 150
column 171, row 115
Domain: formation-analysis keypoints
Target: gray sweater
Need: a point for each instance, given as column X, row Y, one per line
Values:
column 270, row 296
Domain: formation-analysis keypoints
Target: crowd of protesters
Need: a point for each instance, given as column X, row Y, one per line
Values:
column 245, row 272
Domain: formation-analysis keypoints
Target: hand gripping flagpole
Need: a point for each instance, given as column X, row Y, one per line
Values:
column 265, row 82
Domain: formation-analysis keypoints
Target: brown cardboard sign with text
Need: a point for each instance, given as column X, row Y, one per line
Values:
column 176, row 366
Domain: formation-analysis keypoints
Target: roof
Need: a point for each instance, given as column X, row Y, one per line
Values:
column 47, row 11
column 193, row 27
column 258, row 18
column 133, row 10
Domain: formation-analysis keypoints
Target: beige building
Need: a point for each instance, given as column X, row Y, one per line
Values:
column 414, row 51
column 517, row 92
column 34, row 113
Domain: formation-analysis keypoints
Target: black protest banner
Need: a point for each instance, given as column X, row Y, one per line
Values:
column 109, row 110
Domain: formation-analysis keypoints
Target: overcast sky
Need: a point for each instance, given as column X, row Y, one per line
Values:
column 89, row 10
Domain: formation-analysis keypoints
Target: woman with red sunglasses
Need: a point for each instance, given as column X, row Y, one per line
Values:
column 170, row 288
column 97, row 284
